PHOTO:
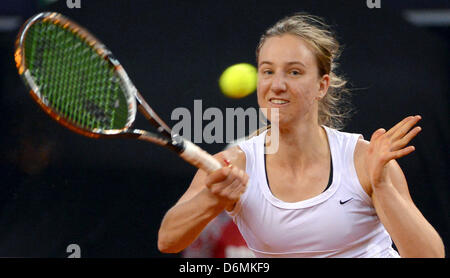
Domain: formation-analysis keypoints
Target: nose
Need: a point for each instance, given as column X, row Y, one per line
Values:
column 278, row 84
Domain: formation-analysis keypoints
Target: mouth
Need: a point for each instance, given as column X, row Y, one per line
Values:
column 278, row 101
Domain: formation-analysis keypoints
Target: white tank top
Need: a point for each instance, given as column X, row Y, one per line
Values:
column 339, row 222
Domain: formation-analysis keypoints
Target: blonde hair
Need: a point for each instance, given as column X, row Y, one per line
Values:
column 334, row 107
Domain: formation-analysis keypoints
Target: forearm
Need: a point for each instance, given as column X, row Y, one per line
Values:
column 184, row 222
column 410, row 231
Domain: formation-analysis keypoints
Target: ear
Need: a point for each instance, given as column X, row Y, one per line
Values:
column 323, row 85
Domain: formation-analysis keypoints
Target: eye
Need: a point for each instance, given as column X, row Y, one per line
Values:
column 295, row 72
column 267, row 72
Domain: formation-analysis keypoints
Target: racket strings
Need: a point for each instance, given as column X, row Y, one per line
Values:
column 73, row 79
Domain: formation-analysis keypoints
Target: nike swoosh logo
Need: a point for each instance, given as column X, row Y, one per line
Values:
column 343, row 202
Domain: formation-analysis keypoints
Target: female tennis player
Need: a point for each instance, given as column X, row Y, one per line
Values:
column 324, row 193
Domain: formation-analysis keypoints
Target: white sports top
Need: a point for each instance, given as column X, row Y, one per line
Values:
column 317, row 227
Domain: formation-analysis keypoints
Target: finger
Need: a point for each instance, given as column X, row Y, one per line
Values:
column 401, row 131
column 236, row 194
column 241, row 176
column 240, row 189
column 217, row 176
column 230, row 188
column 377, row 134
column 233, row 190
column 231, row 172
column 393, row 129
column 245, row 178
column 406, row 139
column 234, row 175
column 245, row 183
column 220, row 188
column 401, row 153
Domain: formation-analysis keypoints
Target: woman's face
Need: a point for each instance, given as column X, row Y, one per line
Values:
column 288, row 79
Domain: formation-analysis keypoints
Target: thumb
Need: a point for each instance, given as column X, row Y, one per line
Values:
column 378, row 133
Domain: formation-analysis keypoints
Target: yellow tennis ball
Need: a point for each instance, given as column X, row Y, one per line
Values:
column 238, row 80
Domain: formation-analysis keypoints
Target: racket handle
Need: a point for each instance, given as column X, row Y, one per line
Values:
column 199, row 158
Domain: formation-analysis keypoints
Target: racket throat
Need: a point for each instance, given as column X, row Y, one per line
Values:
column 151, row 116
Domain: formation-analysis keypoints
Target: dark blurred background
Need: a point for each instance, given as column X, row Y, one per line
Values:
column 109, row 196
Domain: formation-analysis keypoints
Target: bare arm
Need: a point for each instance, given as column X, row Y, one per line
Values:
column 384, row 181
column 206, row 197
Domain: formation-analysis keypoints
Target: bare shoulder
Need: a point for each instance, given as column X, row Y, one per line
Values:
column 361, row 147
column 360, row 154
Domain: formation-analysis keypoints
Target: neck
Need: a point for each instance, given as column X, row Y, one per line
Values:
column 301, row 145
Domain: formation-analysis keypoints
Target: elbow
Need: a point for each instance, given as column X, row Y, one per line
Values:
column 440, row 250
column 436, row 253
column 436, row 250
column 162, row 245
column 423, row 255
column 167, row 249
column 165, row 245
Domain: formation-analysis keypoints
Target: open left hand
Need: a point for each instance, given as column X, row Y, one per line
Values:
column 387, row 145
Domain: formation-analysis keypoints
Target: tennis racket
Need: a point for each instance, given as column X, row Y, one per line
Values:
column 76, row 80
